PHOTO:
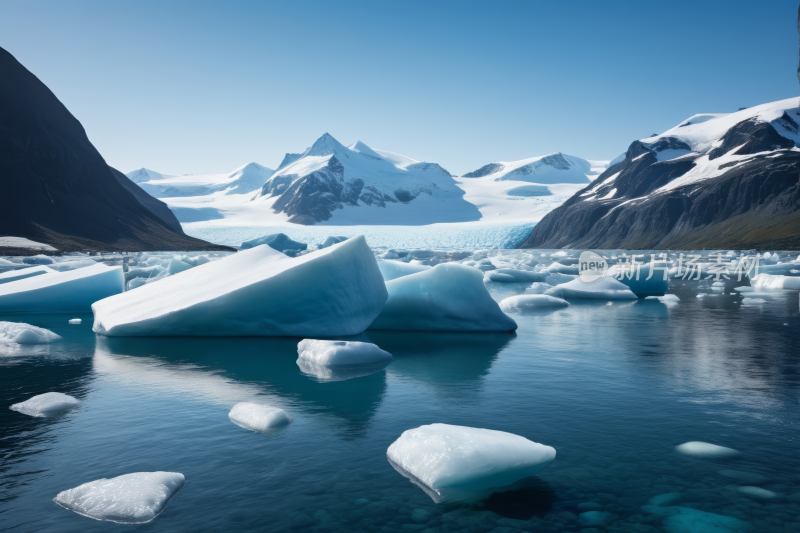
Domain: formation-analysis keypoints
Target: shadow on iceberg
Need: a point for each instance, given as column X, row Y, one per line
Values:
column 232, row 370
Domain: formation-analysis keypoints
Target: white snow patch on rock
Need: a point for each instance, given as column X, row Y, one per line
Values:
column 257, row 417
column 47, row 404
column 129, row 499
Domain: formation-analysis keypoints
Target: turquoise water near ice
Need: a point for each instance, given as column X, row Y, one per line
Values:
column 614, row 388
column 435, row 236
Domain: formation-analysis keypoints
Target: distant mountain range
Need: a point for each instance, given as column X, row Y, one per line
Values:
column 713, row 181
column 58, row 190
column 244, row 179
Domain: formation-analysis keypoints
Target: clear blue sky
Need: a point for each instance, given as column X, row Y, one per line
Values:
column 184, row 87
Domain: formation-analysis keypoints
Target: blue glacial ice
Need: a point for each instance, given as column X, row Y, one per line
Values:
column 128, row 499
column 47, row 404
column 637, row 279
column 61, row 292
column 448, row 297
column 336, row 291
column 29, row 272
column 258, row 417
column 453, row 462
column 396, row 269
column 277, row 241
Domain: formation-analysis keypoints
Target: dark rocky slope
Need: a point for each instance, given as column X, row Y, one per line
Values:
column 56, row 187
column 753, row 201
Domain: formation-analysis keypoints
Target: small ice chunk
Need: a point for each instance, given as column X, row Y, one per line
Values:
column 332, row 240
column 744, row 289
column 21, row 333
column 277, row 241
column 448, row 459
column 509, row 275
column 558, row 268
column 603, row 288
column 176, row 266
column 395, row 269
column 753, row 301
column 74, row 320
column 39, row 260
column 257, row 417
column 47, row 404
column 774, row 282
column 636, row 279
column 706, row 450
column 554, row 278
column 72, row 265
column 129, row 499
column 447, row 297
column 666, row 299
column 531, row 301
column 757, row 493
column 341, row 353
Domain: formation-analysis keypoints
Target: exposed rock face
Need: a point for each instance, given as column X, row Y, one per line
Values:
column 485, row 170
column 58, row 190
column 748, row 199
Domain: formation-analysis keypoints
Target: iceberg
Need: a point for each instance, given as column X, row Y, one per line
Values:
column 39, row 260
column 277, row 241
column 332, row 240
column 509, row 275
column 395, row 269
column 74, row 321
column 706, row 450
column 146, row 272
column 558, row 268
column 337, row 291
column 775, row 282
column 666, row 299
column 61, row 292
column 20, row 333
column 129, row 499
column 176, row 266
column 340, row 360
column 47, row 404
column 601, row 289
column 450, row 462
column 448, row 297
column 531, row 301
column 637, row 280
column 29, row 272
column 257, row 417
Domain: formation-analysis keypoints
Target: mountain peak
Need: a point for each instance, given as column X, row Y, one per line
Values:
column 325, row 145
column 362, row 148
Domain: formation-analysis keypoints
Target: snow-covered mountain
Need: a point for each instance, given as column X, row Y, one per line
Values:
column 244, row 179
column 359, row 185
column 713, row 181
column 528, row 189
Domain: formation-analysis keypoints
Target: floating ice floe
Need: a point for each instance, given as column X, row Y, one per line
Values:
column 47, row 404
column 332, row 240
column 636, row 279
column 257, row 417
column 706, row 450
column 558, row 268
column 753, row 301
column 28, row 272
column 39, row 260
column 458, row 463
column 337, row 291
column 340, row 360
column 129, row 499
column 775, row 282
column 603, row 288
column 75, row 321
column 509, row 275
column 60, row 292
column 448, row 297
column 756, row 493
column 277, row 241
column 666, row 299
column 531, row 301
column 689, row 520
column 395, row 269
column 72, row 265
column 21, row 333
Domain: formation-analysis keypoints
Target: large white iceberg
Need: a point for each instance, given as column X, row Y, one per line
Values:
column 601, row 289
column 448, row 297
column 257, row 417
column 510, row 275
column 129, row 499
column 450, row 462
column 531, row 301
column 395, row 269
column 21, row 333
column 775, row 282
column 340, row 360
column 61, row 292
column 337, row 291
column 29, row 272
column 47, row 404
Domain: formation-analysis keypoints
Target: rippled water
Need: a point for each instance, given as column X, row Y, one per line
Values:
column 613, row 387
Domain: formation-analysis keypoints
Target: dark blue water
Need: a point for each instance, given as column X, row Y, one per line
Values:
column 614, row 388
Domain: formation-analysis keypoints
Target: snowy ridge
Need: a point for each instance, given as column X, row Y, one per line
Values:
column 550, row 168
column 244, row 179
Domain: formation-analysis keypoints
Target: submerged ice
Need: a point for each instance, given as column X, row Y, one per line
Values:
column 128, row 499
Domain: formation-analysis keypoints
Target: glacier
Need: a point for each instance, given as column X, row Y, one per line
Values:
column 61, row 292
column 128, row 499
column 453, row 461
column 448, row 297
column 47, row 404
column 259, row 418
column 336, row 291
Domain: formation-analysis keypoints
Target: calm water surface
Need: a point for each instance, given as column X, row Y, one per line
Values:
column 614, row 388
